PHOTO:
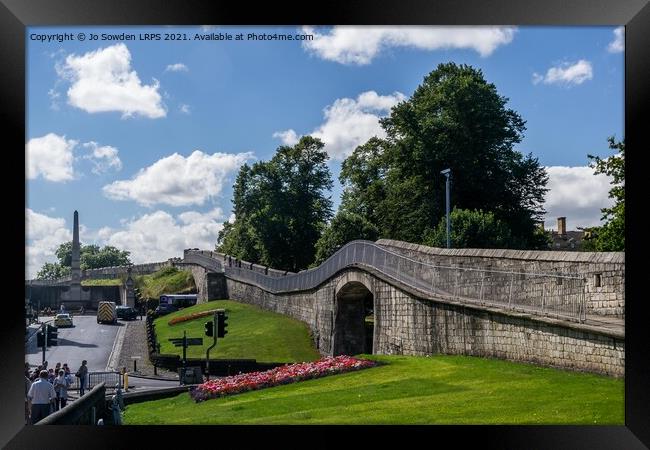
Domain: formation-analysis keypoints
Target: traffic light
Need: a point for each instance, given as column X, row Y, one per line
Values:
column 52, row 335
column 209, row 328
column 222, row 324
column 40, row 339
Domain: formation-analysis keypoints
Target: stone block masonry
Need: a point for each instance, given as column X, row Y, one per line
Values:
column 604, row 271
column 406, row 324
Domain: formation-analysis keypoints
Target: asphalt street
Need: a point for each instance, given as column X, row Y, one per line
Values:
column 85, row 340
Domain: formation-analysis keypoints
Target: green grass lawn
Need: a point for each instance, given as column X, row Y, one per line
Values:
column 169, row 280
column 103, row 282
column 253, row 333
column 411, row 390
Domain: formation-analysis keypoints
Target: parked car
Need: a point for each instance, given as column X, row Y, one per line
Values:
column 126, row 313
column 161, row 310
column 63, row 320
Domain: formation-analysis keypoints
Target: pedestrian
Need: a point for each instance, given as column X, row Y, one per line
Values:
column 57, row 368
column 61, row 385
column 82, row 374
column 28, row 384
column 51, row 376
column 27, row 370
column 36, row 373
column 40, row 396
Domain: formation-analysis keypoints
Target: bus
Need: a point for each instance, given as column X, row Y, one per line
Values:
column 178, row 300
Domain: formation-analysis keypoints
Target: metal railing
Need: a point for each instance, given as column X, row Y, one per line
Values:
column 554, row 294
column 110, row 379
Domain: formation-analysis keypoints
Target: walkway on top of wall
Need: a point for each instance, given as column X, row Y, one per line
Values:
column 348, row 259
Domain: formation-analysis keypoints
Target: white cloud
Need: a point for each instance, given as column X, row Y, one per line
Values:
column 50, row 156
column 288, row 137
column 577, row 194
column 103, row 80
column 566, row 74
column 159, row 236
column 361, row 44
column 185, row 109
column 103, row 158
column 43, row 236
column 178, row 67
column 618, row 44
column 179, row 181
column 351, row 122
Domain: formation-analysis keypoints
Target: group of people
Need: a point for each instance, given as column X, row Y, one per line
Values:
column 46, row 390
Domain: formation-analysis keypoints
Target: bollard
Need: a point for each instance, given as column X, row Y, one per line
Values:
column 126, row 381
column 135, row 365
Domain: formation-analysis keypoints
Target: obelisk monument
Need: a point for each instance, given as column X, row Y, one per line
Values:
column 75, row 284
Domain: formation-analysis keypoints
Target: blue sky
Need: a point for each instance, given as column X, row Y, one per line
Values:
column 144, row 138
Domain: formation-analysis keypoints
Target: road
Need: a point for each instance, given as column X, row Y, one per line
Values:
column 86, row 340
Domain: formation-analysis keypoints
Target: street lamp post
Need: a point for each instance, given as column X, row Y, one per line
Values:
column 447, row 174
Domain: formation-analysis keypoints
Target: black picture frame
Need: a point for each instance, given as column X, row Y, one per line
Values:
column 15, row 15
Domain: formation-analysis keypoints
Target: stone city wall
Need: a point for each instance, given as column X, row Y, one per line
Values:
column 604, row 272
column 408, row 325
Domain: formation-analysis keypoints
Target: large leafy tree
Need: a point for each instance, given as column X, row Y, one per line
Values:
column 92, row 256
column 52, row 271
column 280, row 207
column 455, row 119
column 345, row 227
column 472, row 229
column 610, row 237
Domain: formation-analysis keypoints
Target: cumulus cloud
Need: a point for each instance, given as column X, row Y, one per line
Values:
column 566, row 74
column 288, row 137
column 104, row 158
column 103, row 80
column 361, row 44
column 577, row 194
column 50, row 157
column 178, row 67
column 618, row 44
column 43, row 236
column 159, row 236
column 350, row 122
column 179, row 181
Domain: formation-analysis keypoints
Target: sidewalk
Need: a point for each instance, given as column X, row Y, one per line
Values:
column 135, row 344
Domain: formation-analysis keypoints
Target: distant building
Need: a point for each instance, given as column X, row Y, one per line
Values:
column 566, row 240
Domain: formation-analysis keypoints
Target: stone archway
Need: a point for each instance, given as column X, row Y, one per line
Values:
column 353, row 315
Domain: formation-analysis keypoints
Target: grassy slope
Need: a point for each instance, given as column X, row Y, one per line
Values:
column 104, row 282
column 252, row 334
column 166, row 281
column 411, row 390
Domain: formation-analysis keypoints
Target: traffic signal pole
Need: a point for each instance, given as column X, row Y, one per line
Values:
column 207, row 352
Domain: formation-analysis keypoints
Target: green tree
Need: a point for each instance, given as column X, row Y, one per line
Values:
column 471, row 229
column 92, row 256
column 280, row 207
column 52, row 271
column 455, row 119
column 610, row 237
column 345, row 227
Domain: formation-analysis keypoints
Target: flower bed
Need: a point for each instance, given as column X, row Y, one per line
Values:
column 192, row 316
column 278, row 376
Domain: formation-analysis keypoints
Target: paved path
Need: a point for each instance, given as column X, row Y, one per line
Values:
column 135, row 344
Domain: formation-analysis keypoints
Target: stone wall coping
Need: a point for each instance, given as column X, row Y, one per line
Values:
column 529, row 255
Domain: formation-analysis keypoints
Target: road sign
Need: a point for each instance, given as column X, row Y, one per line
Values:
column 194, row 341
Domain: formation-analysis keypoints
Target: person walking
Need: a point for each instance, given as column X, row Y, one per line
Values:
column 41, row 396
column 28, row 384
column 61, row 385
column 82, row 374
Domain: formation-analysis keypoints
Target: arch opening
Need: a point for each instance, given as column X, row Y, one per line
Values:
column 354, row 320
